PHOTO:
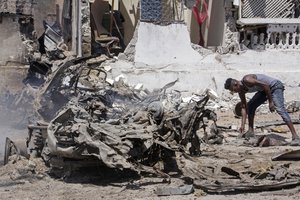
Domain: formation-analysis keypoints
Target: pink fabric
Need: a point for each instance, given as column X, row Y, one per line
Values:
column 200, row 15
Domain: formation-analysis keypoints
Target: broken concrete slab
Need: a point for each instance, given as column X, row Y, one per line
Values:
column 168, row 191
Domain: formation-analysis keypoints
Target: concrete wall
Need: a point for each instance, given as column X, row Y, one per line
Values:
column 12, row 50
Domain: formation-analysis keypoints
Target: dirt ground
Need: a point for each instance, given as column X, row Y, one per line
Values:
column 30, row 179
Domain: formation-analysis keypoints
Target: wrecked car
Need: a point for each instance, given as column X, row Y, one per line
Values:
column 114, row 124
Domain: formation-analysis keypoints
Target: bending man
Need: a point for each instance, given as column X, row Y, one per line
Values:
column 266, row 88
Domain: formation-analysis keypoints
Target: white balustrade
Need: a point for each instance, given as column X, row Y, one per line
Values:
column 277, row 37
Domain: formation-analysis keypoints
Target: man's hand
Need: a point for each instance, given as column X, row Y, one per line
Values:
column 242, row 129
column 271, row 106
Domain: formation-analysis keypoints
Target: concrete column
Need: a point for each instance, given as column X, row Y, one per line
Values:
column 207, row 23
column 215, row 23
column 76, row 28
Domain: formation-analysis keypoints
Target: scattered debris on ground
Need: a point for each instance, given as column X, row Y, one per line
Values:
column 92, row 136
column 86, row 119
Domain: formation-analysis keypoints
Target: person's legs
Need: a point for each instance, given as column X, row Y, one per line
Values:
column 258, row 99
column 278, row 100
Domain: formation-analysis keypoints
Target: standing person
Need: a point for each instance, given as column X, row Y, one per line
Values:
column 266, row 88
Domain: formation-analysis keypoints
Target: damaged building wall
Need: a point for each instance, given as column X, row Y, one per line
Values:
column 11, row 43
column 10, row 25
column 11, row 56
column 131, row 13
column 213, row 69
column 212, row 28
column 12, row 48
column 217, row 27
column 18, row 22
column 20, row 17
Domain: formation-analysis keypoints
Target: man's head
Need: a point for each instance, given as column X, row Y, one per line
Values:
column 233, row 85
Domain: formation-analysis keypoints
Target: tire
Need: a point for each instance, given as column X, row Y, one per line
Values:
column 7, row 150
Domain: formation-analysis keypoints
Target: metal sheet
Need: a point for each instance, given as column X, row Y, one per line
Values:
column 291, row 155
column 267, row 9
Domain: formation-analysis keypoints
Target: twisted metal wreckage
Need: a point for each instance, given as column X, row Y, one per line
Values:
column 87, row 121
column 113, row 125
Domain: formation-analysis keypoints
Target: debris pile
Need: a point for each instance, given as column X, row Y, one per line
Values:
column 231, row 172
column 91, row 119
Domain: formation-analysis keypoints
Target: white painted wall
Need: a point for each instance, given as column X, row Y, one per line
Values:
column 162, row 45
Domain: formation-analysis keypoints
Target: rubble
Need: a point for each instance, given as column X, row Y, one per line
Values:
column 90, row 118
column 86, row 117
column 168, row 191
column 120, row 126
column 98, row 122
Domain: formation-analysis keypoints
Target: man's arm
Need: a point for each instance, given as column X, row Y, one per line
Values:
column 244, row 110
